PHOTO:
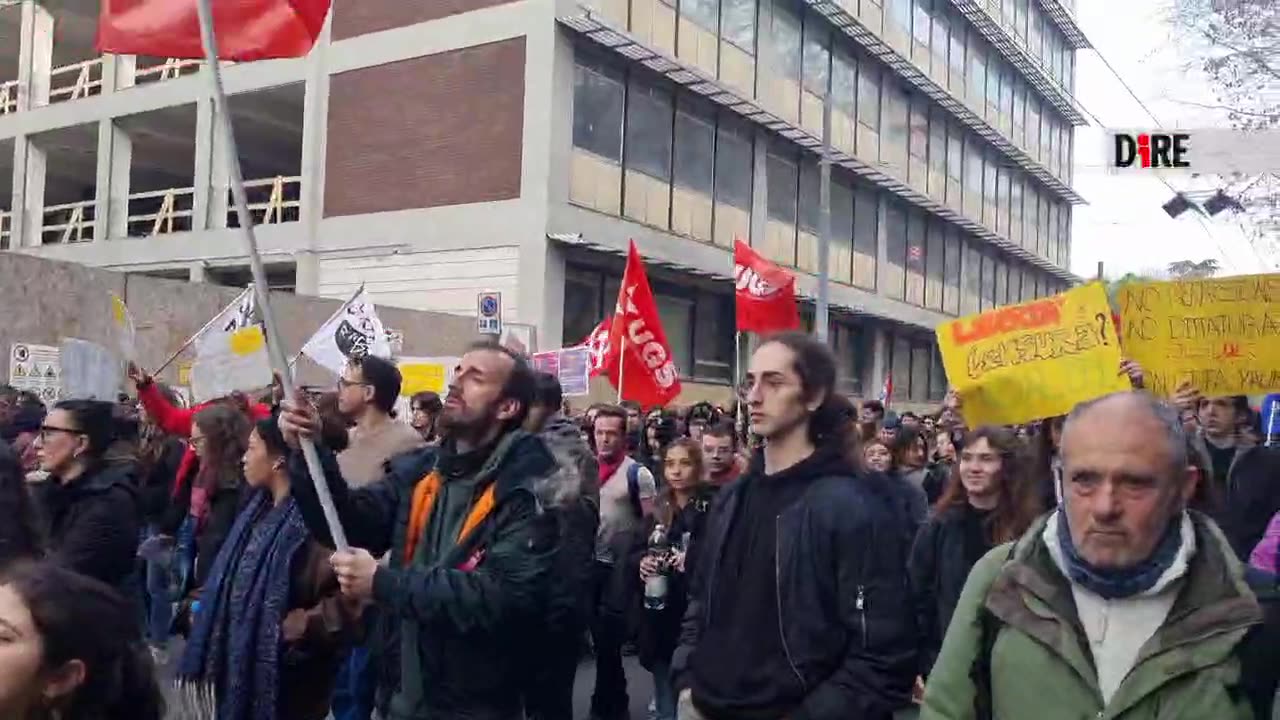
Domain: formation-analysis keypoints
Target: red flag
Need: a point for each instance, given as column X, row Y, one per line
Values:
column 636, row 340
column 765, row 295
column 597, row 343
column 246, row 29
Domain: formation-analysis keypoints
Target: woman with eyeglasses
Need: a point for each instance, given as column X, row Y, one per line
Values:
column 89, row 505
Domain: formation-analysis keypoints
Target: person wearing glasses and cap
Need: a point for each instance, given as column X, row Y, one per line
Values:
column 89, row 506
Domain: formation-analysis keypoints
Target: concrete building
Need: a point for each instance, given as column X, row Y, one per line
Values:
column 436, row 149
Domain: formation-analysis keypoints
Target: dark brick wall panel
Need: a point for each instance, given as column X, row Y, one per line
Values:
column 443, row 129
column 357, row 17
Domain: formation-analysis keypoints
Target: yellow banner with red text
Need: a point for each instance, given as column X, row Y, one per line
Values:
column 1035, row 360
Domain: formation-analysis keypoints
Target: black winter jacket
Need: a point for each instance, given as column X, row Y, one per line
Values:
column 945, row 549
column 93, row 523
column 1251, row 497
column 473, row 622
column 843, row 598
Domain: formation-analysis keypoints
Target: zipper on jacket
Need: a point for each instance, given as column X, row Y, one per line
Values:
column 860, row 604
column 777, row 589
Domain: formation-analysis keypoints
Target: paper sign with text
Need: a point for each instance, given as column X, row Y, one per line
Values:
column 1222, row 334
column 571, row 366
column 423, row 374
column 229, row 362
column 1035, row 360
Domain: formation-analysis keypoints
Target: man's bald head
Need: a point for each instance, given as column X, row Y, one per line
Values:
column 1140, row 406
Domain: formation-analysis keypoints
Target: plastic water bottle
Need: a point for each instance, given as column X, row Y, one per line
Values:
column 655, row 587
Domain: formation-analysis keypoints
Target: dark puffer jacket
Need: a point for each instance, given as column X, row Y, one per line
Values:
column 472, row 606
column 92, row 523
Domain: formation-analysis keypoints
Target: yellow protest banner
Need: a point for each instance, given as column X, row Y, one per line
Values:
column 425, row 375
column 1222, row 334
column 1035, row 360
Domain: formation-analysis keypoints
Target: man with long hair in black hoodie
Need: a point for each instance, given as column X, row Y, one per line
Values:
column 808, row 557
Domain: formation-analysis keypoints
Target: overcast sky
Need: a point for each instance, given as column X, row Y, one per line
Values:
column 1123, row 225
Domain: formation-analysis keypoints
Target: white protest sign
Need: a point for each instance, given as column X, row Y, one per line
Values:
column 89, row 371
column 231, row 362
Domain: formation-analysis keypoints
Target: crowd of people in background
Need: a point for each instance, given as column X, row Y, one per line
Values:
column 795, row 554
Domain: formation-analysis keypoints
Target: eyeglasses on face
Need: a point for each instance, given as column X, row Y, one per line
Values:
column 47, row 430
column 344, row 383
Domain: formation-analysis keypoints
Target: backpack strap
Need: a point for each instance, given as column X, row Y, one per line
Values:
column 633, row 488
column 989, row 629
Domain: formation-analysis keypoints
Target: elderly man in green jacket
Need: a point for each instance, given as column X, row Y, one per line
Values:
column 1120, row 604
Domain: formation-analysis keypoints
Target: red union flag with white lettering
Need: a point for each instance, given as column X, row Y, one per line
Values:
column 638, row 350
column 765, row 294
column 597, row 344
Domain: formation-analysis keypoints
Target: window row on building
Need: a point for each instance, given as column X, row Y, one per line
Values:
column 1022, row 20
column 666, row 160
column 966, row 64
column 799, row 67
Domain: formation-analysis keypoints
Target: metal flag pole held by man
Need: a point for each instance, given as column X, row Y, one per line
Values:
column 274, row 346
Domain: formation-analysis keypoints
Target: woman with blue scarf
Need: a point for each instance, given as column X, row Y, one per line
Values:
column 270, row 626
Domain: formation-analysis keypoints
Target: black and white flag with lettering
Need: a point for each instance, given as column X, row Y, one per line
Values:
column 354, row 331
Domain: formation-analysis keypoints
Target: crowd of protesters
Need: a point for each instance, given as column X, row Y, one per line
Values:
column 796, row 555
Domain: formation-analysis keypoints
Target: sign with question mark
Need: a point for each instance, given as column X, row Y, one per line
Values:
column 1034, row 360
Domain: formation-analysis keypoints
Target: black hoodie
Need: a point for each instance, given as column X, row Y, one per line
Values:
column 731, row 677
column 93, row 523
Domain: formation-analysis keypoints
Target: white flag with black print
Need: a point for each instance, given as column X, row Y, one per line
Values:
column 354, row 331
column 240, row 314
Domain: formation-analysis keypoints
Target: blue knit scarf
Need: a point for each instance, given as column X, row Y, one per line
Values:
column 231, row 665
column 1113, row 583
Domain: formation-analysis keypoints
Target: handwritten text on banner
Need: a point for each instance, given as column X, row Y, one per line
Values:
column 1035, row 360
column 1222, row 334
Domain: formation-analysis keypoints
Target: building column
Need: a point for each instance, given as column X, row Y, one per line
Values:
column 212, row 172
column 118, row 72
column 29, row 165
column 882, row 242
column 879, row 361
column 759, row 188
column 197, row 272
column 315, row 121
column 35, row 56
column 306, row 265
column 115, row 159
column 35, row 62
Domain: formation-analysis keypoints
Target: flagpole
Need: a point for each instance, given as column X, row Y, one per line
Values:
column 222, row 120
column 1271, row 425
column 199, row 332
column 294, row 361
column 622, row 362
